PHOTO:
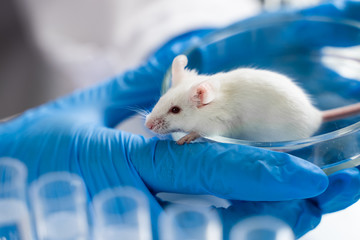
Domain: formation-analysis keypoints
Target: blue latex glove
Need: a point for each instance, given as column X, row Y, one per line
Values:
column 76, row 134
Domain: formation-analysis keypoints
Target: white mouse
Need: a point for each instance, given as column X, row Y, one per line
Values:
column 247, row 104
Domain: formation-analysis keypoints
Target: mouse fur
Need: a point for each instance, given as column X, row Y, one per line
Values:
column 248, row 104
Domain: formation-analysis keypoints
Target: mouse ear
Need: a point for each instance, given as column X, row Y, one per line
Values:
column 203, row 93
column 178, row 67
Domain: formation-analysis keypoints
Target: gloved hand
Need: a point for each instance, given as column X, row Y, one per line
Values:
column 76, row 134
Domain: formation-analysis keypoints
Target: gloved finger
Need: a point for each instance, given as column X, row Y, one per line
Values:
column 224, row 170
column 301, row 215
column 343, row 191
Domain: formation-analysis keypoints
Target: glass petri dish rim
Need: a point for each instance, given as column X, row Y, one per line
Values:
column 283, row 145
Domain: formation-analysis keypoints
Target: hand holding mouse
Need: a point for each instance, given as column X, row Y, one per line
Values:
column 248, row 104
column 76, row 134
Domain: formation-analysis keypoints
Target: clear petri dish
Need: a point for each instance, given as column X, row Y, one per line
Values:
column 321, row 54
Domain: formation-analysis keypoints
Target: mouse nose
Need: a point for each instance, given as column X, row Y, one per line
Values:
column 150, row 125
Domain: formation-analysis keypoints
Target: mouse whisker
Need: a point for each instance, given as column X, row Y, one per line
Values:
column 138, row 110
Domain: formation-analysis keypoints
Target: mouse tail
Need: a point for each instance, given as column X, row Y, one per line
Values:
column 341, row 112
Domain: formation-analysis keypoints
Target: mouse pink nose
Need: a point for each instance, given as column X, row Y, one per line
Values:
column 150, row 125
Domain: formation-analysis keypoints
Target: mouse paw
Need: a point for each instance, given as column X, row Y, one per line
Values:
column 188, row 138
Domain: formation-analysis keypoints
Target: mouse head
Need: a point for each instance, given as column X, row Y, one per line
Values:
column 179, row 109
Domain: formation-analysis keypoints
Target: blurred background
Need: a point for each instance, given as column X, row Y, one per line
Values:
column 49, row 48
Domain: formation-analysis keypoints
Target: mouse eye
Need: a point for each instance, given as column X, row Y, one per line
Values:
column 175, row 109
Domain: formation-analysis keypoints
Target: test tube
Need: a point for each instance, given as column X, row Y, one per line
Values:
column 181, row 222
column 59, row 205
column 261, row 227
column 14, row 214
column 121, row 213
